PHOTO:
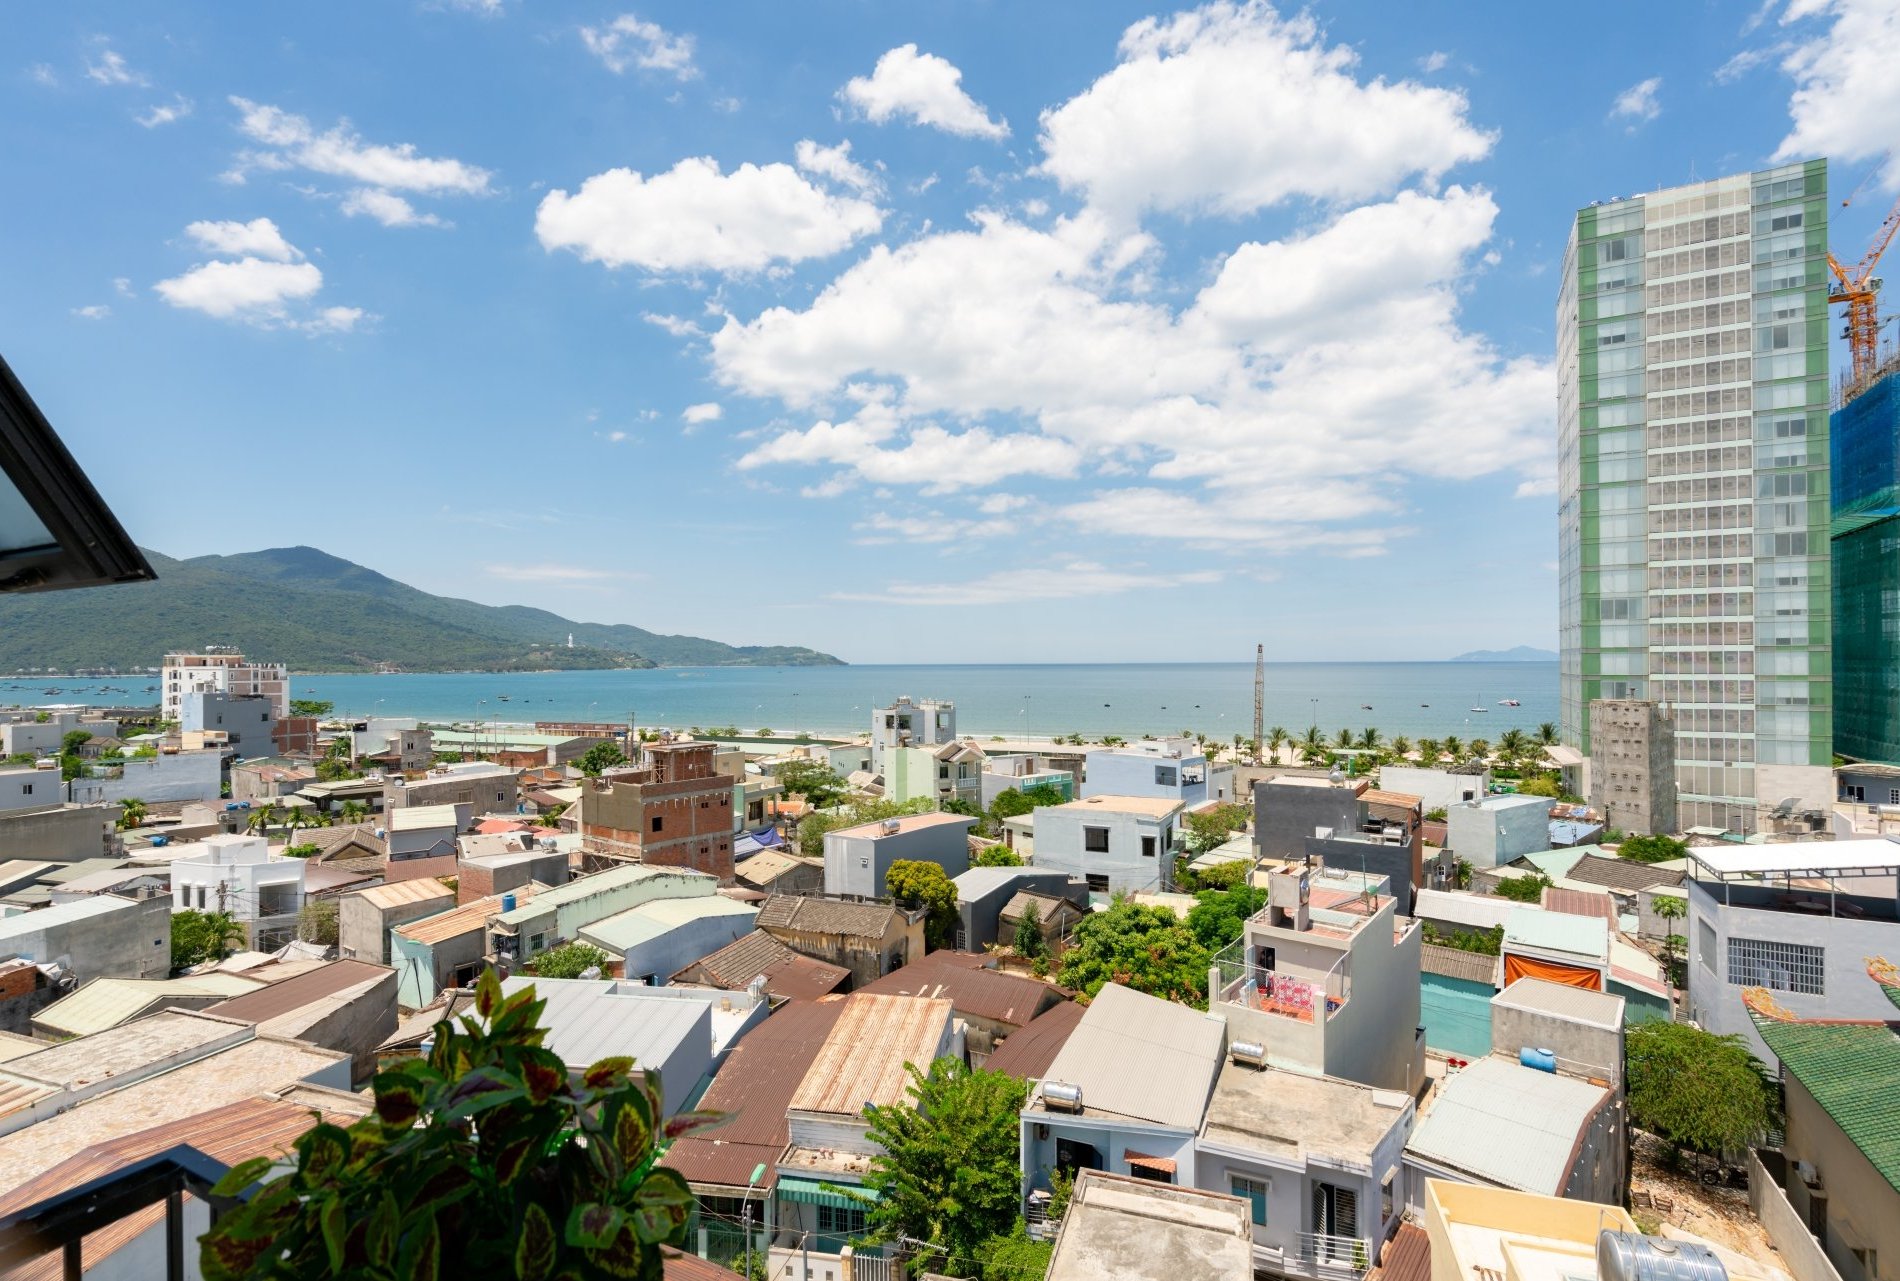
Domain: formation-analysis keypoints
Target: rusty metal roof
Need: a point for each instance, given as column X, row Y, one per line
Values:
column 971, row 986
column 863, row 1059
column 418, row 889
column 1027, row 1052
column 754, row 1087
column 289, row 994
column 787, row 974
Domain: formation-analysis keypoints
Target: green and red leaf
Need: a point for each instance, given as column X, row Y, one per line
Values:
column 608, row 1073
column 535, row 1245
column 241, row 1176
column 594, row 1226
column 323, row 1150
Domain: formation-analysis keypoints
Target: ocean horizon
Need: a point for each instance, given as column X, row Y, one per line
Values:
column 1422, row 699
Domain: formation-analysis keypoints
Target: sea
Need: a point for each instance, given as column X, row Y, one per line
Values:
column 1418, row 700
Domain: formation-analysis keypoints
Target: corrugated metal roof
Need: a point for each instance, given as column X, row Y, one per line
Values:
column 420, row 889
column 456, row 921
column 1598, row 1008
column 643, row 924
column 592, row 1019
column 1027, row 1052
column 1574, row 902
column 787, row 974
column 1407, row 1257
column 863, row 1059
column 414, row 818
column 970, row 985
column 1626, row 874
column 1484, row 911
column 826, row 916
column 753, row 1089
column 1509, row 1125
column 1456, row 963
column 598, row 883
column 1137, row 1056
column 105, row 1003
column 1556, row 932
column 293, row 993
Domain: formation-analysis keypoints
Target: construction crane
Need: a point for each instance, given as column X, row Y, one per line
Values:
column 1259, row 698
column 1859, row 288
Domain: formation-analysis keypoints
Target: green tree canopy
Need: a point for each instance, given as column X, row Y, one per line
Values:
column 1652, row 849
column 1212, row 826
column 812, row 828
column 1147, row 948
column 1010, row 803
column 998, row 856
column 1696, row 1090
column 1029, row 939
column 317, row 707
column 816, row 781
column 599, row 757
column 559, row 1176
column 569, row 961
column 1221, row 915
column 317, row 922
column 1523, row 889
column 203, row 936
column 947, row 1170
column 916, row 883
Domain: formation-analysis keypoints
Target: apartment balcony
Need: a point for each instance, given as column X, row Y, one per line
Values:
column 1330, row 1257
column 1300, row 997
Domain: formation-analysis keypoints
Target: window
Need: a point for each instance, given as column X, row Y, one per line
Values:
column 1893, row 796
column 1147, row 847
column 1784, row 967
column 1164, row 776
column 1098, row 883
column 26, row 789
column 1095, row 840
column 838, row 1221
column 1705, row 936
column 656, row 822
column 1254, row 1193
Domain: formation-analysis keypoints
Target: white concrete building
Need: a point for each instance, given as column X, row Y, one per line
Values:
column 169, row 776
column 222, row 671
column 910, row 723
column 26, row 787
column 1113, row 843
column 237, row 874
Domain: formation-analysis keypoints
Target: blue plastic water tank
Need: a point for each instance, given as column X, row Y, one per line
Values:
column 161, row 840
column 1541, row 1059
column 508, row 905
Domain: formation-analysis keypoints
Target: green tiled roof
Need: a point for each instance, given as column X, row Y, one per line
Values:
column 1853, row 1072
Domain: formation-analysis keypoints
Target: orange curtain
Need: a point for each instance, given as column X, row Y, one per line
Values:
column 1529, row 967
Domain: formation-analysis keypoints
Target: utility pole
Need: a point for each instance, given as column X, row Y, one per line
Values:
column 1259, row 699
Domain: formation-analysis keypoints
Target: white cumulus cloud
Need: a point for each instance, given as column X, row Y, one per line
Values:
column 1846, row 101
column 291, row 141
column 258, row 238
column 693, row 218
column 387, row 208
column 836, row 164
column 924, row 88
column 165, row 113
column 710, row 412
column 1640, row 103
column 1231, row 108
column 110, row 68
column 629, row 41
column 97, row 311
column 262, row 280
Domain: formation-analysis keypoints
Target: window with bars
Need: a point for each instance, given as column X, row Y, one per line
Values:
column 1783, row 967
column 1254, row 1192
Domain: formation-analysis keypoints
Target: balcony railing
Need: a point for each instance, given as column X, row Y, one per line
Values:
column 1299, row 997
column 1335, row 1257
column 61, row 1223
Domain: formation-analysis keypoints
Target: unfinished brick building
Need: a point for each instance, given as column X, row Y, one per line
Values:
column 674, row 812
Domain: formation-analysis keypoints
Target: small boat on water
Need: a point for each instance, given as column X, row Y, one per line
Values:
column 1365, row 707
column 1509, row 702
column 501, row 698
column 1483, row 711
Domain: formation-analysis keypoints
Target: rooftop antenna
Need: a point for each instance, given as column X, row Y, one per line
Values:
column 1259, row 698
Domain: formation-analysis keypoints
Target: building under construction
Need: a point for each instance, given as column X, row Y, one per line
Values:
column 1864, row 534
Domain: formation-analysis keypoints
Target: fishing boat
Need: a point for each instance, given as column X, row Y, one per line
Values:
column 1509, row 702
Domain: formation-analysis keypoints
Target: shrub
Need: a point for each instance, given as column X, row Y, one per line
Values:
column 569, row 961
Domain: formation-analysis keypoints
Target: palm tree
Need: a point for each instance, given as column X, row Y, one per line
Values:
column 1547, row 734
column 1343, row 738
column 1276, row 739
column 1401, row 747
column 354, row 811
column 131, row 812
column 1370, row 739
column 260, row 818
column 1454, row 748
column 1512, row 744
column 1312, row 744
column 1429, row 750
column 1480, row 749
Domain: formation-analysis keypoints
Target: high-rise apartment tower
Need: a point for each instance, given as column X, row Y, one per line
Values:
column 1693, row 512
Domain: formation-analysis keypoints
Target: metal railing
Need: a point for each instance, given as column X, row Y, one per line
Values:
column 1293, row 996
column 1331, row 1256
column 62, row 1222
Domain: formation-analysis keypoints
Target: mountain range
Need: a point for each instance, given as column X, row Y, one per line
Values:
column 1515, row 654
column 320, row 613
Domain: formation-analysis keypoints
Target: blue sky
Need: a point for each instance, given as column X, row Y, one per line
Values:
column 968, row 332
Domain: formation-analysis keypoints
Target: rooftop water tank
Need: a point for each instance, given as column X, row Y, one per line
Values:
column 508, row 905
column 161, row 840
column 1630, row 1256
column 1538, row 1057
column 1060, row 1096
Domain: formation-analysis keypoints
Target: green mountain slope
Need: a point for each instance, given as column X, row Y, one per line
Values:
column 318, row 612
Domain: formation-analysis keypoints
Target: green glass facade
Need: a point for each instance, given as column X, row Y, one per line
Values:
column 1693, row 481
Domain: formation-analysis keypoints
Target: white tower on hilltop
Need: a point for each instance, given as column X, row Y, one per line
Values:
column 570, row 640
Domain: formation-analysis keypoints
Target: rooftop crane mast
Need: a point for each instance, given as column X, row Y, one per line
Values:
column 1859, row 288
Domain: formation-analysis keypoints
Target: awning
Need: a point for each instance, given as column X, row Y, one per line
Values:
column 813, row 1192
column 1159, row 1164
column 1517, row 966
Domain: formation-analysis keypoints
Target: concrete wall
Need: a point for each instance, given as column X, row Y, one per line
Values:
column 857, row 861
column 1130, row 771
column 1583, row 1049
column 1492, row 834
column 26, row 788
column 132, row 941
column 1061, row 847
column 977, row 917
column 1863, row 1210
column 354, row 1024
column 480, row 878
column 679, row 947
column 169, row 776
column 1599, row 1173
column 363, row 928
column 1716, row 1003
column 60, row 833
column 422, row 970
column 1374, row 1036
column 1287, row 814
column 1437, row 788
column 1112, row 1141
column 485, row 792
column 250, row 724
column 1786, row 1226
